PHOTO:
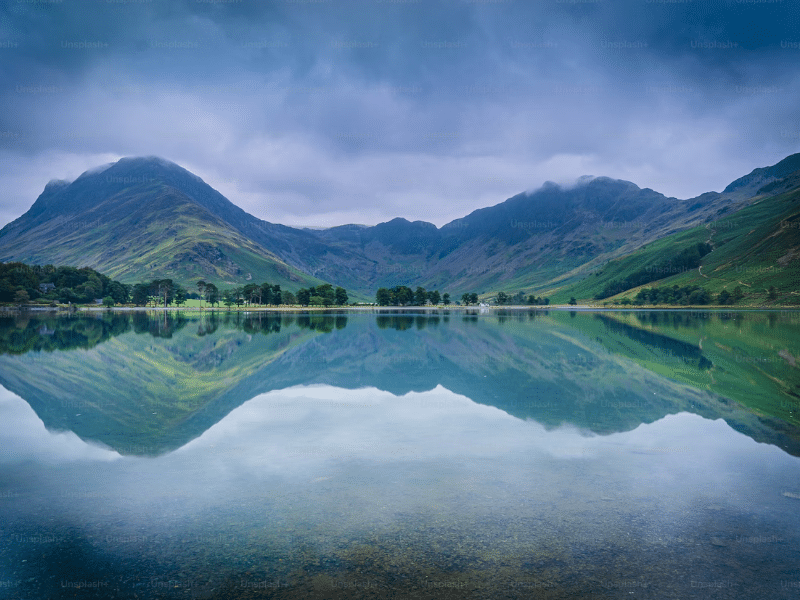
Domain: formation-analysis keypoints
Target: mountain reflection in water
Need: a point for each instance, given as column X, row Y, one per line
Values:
column 407, row 455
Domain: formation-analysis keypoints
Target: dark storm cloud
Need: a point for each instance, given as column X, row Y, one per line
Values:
column 325, row 112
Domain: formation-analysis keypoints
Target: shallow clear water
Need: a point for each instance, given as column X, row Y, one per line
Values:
column 510, row 455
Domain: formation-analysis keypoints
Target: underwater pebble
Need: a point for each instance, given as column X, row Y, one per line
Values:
column 718, row 542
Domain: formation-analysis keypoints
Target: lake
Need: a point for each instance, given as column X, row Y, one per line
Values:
column 399, row 454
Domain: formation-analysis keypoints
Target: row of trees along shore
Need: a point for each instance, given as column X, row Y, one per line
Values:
column 401, row 295
column 691, row 295
column 21, row 283
column 164, row 292
column 520, row 298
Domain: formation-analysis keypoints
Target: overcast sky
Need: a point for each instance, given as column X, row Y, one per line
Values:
column 325, row 112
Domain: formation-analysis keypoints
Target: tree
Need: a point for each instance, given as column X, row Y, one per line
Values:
column 446, row 298
column 266, row 293
column 141, row 294
column 67, row 284
column 699, row 296
column 152, row 293
column 772, row 293
column 738, row 294
column 228, row 298
column 465, row 298
column 383, row 297
column 21, row 297
column 166, row 290
column 6, row 290
column 250, row 292
column 119, row 292
column 434, row 297
column 420, row 296
column 473, row 298
column 91, row 288
column 326, row 292
column 288, row 298
column 403, row 295
column 316, row 301
column 572, row 301
column 341, row 296
column 108, row 302
column 303, row 296
column 68, row 295
column 238, row 296
column 502, row 298
column 212, row 294
column 163, row 289
column 179, row 295
column 201, row 288
column 724, row 297
column 398, row 295
column 276, row 294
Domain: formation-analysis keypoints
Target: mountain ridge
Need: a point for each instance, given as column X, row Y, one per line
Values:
column 764, row 175
column 536, row 240
column 141, row 219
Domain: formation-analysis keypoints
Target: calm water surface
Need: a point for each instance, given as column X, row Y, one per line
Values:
column 401, row 455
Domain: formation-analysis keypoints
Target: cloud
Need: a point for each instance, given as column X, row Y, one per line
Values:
column 303, row 114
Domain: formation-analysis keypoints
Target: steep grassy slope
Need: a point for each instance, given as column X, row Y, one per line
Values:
column 754, row 248
column 145, row 231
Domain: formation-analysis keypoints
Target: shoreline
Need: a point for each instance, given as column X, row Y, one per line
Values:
column 378, row 309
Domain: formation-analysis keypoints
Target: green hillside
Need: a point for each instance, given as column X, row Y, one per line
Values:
column 753, row 248
column 150, row 231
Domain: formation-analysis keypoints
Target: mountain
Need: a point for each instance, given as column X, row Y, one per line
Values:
column 142, row 218
column 758, row 178
column 755, row 248
column 535, row 239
